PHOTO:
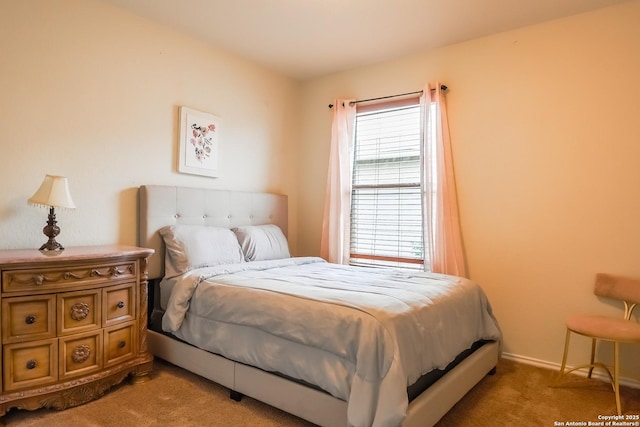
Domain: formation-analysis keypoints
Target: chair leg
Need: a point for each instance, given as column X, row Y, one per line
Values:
column 615, row 378
column 593, row 356
column 616, row 375
column 564, row 357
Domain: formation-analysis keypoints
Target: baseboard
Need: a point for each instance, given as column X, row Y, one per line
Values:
column 597, row 373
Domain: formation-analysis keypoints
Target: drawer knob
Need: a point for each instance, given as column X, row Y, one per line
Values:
column 30, row 320
column 122, row 344
column 32, row 364
column 81, row 353
column 120, row 304
column 79, row 311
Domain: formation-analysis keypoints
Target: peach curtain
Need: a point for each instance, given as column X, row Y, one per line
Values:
column 336, row 224
column 441, row 223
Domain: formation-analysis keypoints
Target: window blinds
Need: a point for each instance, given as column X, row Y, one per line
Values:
column 386, row 210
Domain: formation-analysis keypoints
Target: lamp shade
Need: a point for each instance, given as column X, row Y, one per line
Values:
column 54, row 191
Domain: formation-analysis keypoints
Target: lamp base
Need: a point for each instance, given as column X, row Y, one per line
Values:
column 51, row 230
column 51, row 246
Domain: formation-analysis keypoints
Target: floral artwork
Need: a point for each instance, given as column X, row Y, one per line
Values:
column 202, row 140
column 199, row 142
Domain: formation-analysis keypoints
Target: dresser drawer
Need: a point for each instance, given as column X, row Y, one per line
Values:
column 120, row 343
column 37, row 279
column 79, row 311
column 119, row 304
column 28, row 318
column 80, row 354
column 30, row 364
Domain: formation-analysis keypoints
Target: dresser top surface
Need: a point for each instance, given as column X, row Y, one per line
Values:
column 75, row 253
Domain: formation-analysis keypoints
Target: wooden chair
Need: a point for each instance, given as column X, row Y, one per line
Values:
column 604, row 328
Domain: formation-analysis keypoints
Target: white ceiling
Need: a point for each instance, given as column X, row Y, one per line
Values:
column 309, row 38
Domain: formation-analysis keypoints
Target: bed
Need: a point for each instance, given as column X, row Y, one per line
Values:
column 298, row 333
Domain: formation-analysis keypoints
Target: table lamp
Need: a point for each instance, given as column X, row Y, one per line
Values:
column 53, row 193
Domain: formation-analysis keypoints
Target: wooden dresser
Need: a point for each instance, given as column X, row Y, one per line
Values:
column 74, row 323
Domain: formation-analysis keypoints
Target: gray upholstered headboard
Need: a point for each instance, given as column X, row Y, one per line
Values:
column 162, row 205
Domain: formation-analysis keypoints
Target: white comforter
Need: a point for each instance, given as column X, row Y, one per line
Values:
column 373, row 331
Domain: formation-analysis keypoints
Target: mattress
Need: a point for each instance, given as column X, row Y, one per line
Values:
column 363, row 335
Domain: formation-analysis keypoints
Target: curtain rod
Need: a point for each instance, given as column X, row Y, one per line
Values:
column 443, row 87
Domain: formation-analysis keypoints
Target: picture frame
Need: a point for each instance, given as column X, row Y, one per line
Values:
column 199, row 142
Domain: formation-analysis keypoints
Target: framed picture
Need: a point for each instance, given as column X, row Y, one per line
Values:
column 199, row 142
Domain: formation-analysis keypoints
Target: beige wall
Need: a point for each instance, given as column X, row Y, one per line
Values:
column 545, row 126
column 93, row 92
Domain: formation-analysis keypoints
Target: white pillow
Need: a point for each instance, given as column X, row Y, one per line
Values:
column 262, row 242
column 196, row 246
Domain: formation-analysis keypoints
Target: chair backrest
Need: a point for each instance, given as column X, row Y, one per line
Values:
column 618, row 287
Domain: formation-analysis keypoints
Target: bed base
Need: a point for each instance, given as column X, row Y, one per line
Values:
column 314, row 405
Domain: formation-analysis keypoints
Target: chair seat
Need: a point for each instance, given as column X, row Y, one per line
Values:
column 604, row 327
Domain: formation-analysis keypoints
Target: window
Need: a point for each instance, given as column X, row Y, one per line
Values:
column 386, row 208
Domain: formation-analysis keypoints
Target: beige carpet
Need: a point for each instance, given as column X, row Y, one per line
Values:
column 518, row 395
